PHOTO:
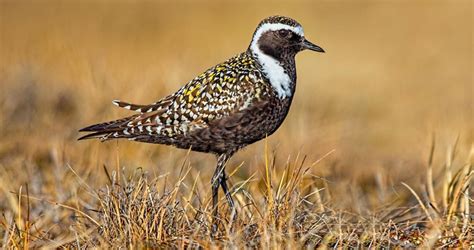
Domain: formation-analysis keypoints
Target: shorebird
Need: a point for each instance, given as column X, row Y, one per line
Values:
column 226, row 108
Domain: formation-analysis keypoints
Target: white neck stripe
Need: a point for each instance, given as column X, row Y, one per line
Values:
column 279, row 80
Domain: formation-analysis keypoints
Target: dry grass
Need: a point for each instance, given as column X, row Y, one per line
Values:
column 290, row 210
column 377, row 150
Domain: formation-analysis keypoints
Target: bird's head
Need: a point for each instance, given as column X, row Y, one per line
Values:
column 279, row 37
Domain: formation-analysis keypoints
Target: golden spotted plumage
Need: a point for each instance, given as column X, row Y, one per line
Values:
column 227, row 107
column 229, row 87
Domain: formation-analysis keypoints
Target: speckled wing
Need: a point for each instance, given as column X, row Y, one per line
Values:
column 217, row 93
column 213, row 95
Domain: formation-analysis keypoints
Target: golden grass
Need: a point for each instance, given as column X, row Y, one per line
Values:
column 291, row 210
column 377, row 149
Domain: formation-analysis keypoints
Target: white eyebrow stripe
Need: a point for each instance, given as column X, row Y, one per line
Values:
column 276, row 26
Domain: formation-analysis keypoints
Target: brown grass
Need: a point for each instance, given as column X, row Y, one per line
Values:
column 377, row 150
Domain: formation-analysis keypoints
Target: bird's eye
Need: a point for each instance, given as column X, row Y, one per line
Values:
column 284, row 33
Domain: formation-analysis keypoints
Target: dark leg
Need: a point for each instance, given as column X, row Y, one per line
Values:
column 215, row 197
column 228, row 196
column 219, row 179
column 215, row 182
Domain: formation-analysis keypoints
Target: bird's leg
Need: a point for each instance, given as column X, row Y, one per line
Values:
column 228, row 196
column 219, row 178
column 215, row 182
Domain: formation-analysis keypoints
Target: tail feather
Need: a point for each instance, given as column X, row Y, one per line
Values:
column 107, row 130
column 129, row 106
column 159, row 105
column 111, row 125
column 108, row 135
column 128, row 127
column 96, row 135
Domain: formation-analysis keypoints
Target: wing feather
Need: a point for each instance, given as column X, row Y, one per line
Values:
column 210, row 97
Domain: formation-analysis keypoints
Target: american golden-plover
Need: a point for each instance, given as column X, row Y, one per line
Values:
column 226, row 108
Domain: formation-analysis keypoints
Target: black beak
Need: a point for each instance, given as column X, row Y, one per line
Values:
column 311, row 46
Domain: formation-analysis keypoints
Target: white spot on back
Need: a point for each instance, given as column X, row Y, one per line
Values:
column 247, row 103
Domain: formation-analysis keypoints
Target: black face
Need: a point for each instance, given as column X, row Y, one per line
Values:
column 284, row 44
column 280, row 43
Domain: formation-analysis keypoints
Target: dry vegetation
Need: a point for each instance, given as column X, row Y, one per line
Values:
column 377, row 150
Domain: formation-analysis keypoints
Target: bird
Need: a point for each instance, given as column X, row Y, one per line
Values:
column 229, row 106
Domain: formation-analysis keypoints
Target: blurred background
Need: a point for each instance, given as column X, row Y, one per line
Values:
column 396, row 74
